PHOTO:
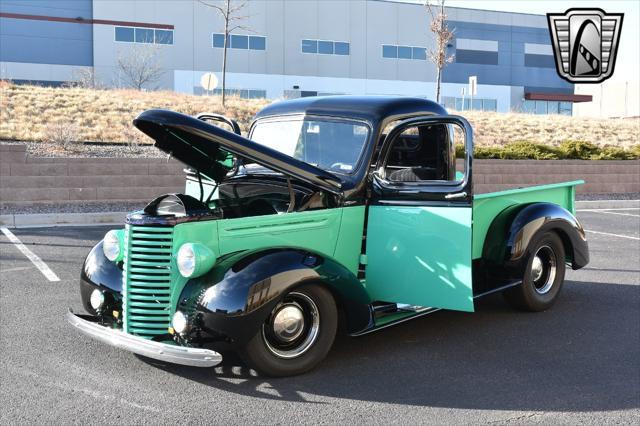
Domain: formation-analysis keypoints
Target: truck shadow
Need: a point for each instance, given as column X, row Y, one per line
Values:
column 582, row 355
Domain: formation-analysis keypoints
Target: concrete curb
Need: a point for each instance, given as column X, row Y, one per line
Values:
column 61, row 219
column 117, row 218
column 607, row 204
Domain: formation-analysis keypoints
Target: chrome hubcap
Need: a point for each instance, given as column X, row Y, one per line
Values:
column 288, row 323
column 293, row 326
column 543, row 269
column 536, row 268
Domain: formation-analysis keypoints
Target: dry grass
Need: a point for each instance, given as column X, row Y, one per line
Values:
column 26, row 113
column 495, row 129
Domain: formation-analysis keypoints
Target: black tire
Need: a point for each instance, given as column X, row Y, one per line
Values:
column 273, row 357
column 543, row 278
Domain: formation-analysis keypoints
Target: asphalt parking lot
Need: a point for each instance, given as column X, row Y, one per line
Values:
column 578, row 362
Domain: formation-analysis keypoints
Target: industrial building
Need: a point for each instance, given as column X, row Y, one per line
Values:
column 290, row 48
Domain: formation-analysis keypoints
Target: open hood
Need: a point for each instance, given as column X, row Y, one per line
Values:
column 207, row 149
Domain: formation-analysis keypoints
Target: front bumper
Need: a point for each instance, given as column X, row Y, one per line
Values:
column 195, row 357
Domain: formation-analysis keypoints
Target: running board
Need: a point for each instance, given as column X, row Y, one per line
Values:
column 413, row 311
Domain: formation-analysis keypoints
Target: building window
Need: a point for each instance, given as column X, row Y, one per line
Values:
column 341, row 48
column 539, row 61
column 309, row 46
column 478, row 104
column 389, row 51
column 239, row 41
column 325, row 47
column 404, row 52
column 163, row 37
column 547, row 107
column 143, row 35
column 125, row 34
column 476, row 57
column 419, row 53
column 257, row 43
column 241, row 93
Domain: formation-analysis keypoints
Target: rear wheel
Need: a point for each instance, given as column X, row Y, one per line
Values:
column 543, row 275
column 297, row 335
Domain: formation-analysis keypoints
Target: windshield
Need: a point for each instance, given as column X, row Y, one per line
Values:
column 328, row 144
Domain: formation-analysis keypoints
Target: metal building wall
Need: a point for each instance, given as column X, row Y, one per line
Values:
column 45, row 49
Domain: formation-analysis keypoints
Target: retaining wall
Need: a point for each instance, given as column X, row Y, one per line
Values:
column 26, row 180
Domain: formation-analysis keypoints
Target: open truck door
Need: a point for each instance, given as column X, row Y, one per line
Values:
column 419, row 232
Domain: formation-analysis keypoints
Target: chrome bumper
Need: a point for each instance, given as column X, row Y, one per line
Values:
column 183, row 355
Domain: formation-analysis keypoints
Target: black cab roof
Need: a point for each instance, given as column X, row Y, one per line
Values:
column 369, row 108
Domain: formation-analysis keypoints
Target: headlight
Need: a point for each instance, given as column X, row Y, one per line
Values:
column 179, row 322
column 113, row 244
column 194, row 260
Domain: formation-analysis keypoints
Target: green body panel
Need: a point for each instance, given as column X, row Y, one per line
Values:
column 205, row 233
column 349, row 244
column 487, row 206
column 420, row 256
column 314, row 230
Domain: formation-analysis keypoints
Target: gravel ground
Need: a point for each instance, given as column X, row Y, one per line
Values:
column 92, row 150
column 612, row 196
column 86, row 207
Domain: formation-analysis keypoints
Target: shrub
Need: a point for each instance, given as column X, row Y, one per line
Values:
column 570, row 150
column 62, row 135
column 578, row 149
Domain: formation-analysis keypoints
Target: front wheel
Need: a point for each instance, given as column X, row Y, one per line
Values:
column 297, row 335
column 543, row 275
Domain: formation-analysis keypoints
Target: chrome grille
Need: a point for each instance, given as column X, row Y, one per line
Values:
column 148, row 276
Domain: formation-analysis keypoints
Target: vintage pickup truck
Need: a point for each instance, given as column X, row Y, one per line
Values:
column 344, row 207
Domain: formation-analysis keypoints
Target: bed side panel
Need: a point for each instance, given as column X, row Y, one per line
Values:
column 487, row 206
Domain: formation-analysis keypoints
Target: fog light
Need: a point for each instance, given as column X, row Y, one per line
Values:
column 97, row 299
column 179, row 322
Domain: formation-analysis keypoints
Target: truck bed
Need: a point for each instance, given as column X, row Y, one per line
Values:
column 487, row 206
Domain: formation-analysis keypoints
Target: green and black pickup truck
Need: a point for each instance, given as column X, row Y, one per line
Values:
column 331, row 208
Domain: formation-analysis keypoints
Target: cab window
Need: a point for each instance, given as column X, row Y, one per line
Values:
column 422, row 153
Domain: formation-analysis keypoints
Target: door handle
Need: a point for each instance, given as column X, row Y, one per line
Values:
column 456, row 195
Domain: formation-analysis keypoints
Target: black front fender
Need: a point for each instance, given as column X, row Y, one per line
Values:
column 235, row 298
column 100, row 272
column 513, row 229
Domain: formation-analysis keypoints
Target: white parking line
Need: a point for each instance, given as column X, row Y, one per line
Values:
column 608, row 210
column 616, row 213
column 613, row 235
column 46, row 271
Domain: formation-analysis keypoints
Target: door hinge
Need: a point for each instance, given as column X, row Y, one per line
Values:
column 363, row 259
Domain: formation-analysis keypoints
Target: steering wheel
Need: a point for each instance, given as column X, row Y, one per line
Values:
column 339, row 166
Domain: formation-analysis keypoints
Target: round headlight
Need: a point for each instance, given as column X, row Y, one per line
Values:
column 97, row 299
column 179, row 322
column 112, row 245
column 186, row 260
column 194, row 260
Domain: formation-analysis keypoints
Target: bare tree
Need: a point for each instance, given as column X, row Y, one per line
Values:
column 443, row 35
column 85, row 78
column 230, row 12
column 139, row 66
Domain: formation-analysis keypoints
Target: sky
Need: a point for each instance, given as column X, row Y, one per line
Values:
column 628, row 58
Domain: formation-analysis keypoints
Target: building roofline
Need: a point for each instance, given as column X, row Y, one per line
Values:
column 460, row 8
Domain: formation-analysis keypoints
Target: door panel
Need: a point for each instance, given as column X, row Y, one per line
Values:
column 420, row 255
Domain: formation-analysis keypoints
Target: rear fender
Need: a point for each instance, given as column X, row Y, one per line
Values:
column 236, row 297
column 512, row 231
